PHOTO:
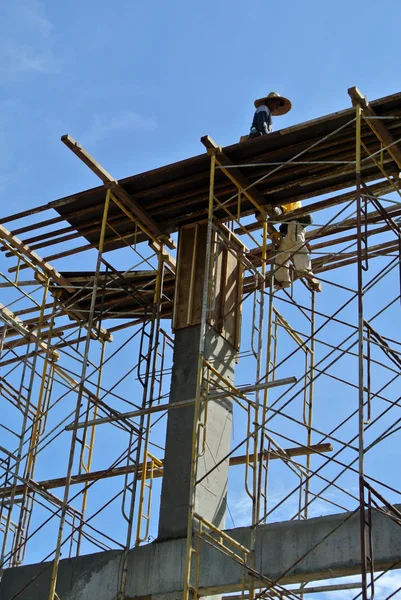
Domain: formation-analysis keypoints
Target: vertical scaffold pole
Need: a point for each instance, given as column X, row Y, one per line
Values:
column 308, row 407
column 34, row 431
column 89, row 432
column 360, row 355
column 53, row 583
column 140, row 477
column 190, row 591
column 260, row 413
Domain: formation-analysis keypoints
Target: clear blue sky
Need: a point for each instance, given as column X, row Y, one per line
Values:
column 138, row 83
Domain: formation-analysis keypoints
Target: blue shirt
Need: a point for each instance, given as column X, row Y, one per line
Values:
column 262, row 120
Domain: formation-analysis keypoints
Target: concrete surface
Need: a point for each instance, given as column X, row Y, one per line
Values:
column 156, row 570
column 211, row 493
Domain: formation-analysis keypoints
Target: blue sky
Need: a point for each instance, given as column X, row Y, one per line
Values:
column 138, row 83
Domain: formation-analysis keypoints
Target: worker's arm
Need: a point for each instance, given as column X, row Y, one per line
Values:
column 305, row 220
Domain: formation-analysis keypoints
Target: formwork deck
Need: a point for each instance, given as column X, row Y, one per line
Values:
column 177, row 194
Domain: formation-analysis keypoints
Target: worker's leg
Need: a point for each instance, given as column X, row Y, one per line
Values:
column 293, row 246
column 301, row 256
column 302, row 261
column 282, row 265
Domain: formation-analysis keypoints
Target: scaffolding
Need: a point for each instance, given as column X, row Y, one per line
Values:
column 86, row 361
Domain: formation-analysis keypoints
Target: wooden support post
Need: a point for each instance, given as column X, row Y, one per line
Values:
column 225, row 282
column 377, row 126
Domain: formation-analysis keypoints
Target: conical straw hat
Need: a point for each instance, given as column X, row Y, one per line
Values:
column 285, row 104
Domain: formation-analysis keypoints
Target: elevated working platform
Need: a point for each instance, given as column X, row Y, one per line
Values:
column 307, row 160
column 177, row 194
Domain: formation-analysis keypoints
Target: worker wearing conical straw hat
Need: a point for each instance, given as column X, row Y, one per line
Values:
column 292, row 244
column 267, row 107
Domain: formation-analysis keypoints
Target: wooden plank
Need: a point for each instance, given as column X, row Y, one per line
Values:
column 47, row 269
column 57, row 237
column 47, row 484
column 34, row 258
column 168, row 259
column 177, row 193
column 190, row 276
column 111, row 183
column 25, row 213
column 97, row 208
column 14, row 322
column 376, row 125
column 383, row 187
column 232, row 292
column 235, row 175
column 56, row 256
column 174, row 210
column 228, row 271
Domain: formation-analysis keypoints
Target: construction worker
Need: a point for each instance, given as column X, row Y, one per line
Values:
column 292, row 240
column 292, row 246
column 271, row 105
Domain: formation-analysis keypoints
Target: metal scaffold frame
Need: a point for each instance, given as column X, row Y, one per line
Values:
column 140, row 464
column 199, row 529
column 63, row 382
column 209, row 380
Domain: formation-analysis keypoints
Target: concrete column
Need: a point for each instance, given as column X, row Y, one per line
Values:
column 211, row 493
column 221, row 343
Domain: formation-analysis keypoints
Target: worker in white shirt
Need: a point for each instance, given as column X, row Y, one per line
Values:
column 292, row 245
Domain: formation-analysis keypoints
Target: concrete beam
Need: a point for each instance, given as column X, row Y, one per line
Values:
column 156, row 570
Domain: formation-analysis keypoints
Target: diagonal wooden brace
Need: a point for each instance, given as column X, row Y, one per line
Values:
column 15, row 323
column 141, row 216
column 34, row 260
column 235, row 175
column 377, row 126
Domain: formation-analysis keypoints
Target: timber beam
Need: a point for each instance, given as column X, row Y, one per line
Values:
column 43, row 269
column 381, row 188
column 48, row 484
column 236, row 176
column 376, row 125
column 144, row 220
column 17, row 247
column 15, row 323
